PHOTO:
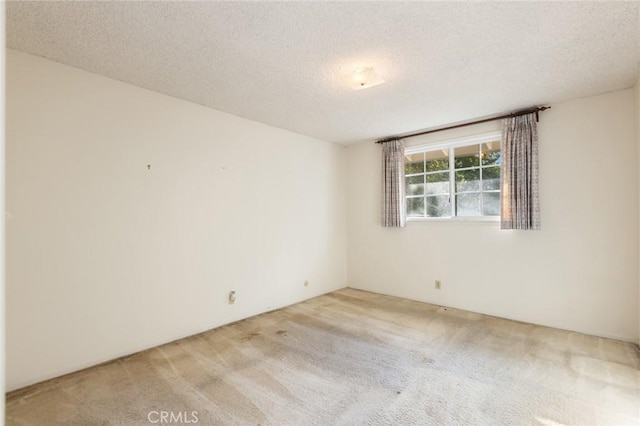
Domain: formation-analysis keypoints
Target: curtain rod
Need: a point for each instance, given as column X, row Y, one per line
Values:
column 455, row 126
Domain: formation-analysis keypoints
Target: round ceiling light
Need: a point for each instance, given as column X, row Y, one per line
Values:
column 362, row 78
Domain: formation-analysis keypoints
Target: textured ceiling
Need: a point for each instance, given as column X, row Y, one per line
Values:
column 280, row 62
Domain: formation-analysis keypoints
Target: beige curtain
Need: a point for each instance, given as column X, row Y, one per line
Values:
column 393, row 199
column 519, row 179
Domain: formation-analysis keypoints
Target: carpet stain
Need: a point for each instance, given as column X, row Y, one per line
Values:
column 250, row 336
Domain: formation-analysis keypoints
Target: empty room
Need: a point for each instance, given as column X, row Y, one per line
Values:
column 322, row 213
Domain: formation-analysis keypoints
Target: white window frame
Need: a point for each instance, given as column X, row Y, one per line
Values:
column 451, row 144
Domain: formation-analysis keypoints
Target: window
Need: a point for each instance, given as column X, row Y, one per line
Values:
column 467, row 168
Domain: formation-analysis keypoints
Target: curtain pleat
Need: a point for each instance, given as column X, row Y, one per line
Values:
column 519, row 207
column 393, row 199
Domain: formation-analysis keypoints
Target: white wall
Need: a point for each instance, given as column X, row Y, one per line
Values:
column 637, row 90
column 106, row 257
column 580, row 272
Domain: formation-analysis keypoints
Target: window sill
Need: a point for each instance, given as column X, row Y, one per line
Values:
column 479, row 219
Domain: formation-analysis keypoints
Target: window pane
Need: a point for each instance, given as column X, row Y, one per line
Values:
column 437, row 160
column 438, row 206
column 491, row 203
column 438, row 183
column 415, row 207
column 467, row 156
column 468, row 205
column 415, row 185
column 414, row 163
column 490, row 178
column 468, row 180
column 491, row 153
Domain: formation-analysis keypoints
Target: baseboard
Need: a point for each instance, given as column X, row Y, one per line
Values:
column 633, row 340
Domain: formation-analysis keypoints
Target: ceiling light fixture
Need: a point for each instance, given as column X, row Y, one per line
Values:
column 362, row 78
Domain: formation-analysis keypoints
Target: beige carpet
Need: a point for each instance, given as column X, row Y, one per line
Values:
column 352, row 357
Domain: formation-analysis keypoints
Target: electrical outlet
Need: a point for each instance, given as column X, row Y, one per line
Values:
column 232, row 297
column 306, row 283
column 438, row 284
